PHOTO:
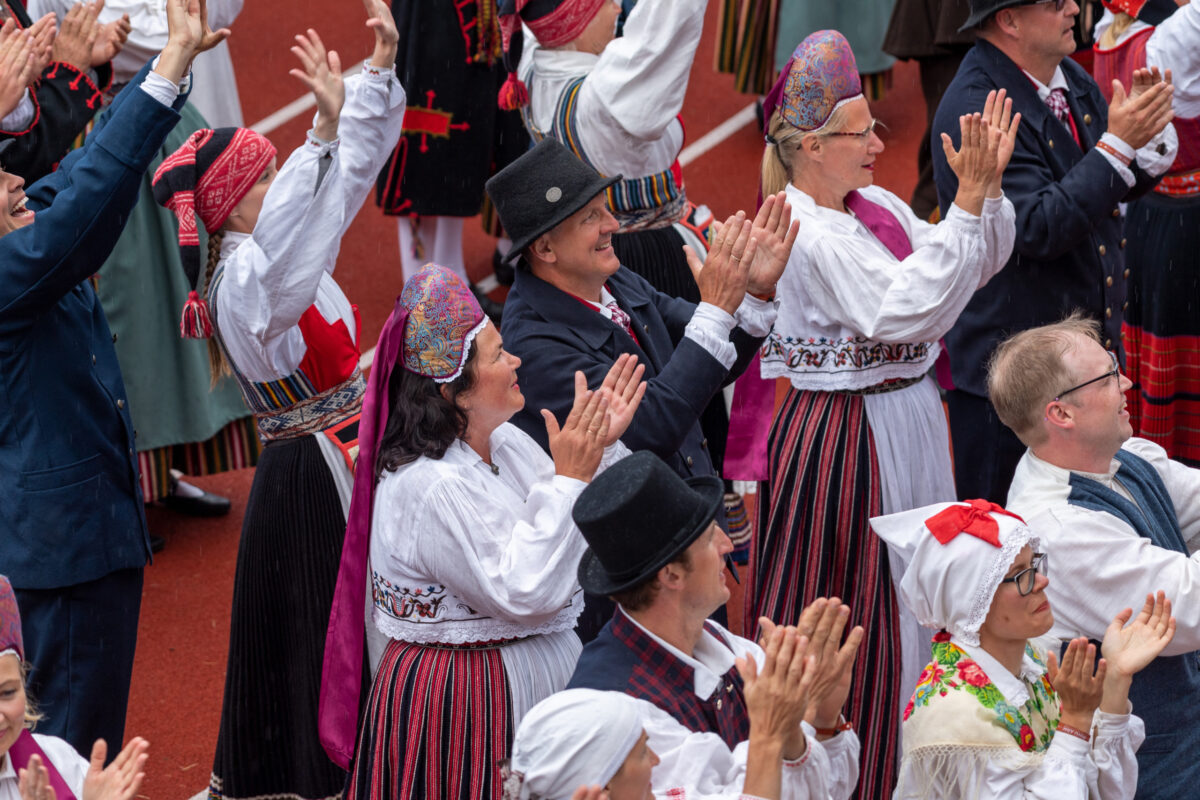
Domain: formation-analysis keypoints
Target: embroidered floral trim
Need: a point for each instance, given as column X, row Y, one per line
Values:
column 411, row 603
column 952, row 670
column 857, row 352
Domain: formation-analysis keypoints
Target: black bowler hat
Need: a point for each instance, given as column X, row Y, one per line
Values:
column 638, row 516
column 541, row 189
column 982, row 9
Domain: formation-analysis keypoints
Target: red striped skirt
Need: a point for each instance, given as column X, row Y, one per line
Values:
column 438, row 722
column 813, row 539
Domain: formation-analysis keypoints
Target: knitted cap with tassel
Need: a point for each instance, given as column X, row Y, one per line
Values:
column 207, row 177
column 553, row 22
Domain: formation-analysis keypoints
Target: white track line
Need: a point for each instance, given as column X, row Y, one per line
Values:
column 717, row 135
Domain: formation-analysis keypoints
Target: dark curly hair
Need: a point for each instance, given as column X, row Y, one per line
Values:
column 421, row 421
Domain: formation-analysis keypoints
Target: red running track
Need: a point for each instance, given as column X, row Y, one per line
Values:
column 179, row 669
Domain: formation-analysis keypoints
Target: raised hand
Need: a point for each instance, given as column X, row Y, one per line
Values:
column 322, row 74
column 111, row 39
column 380, row 20
column 578, row 446
column 16, row 65
column 590, row 793
column 77, row 36
column 121, row 779
column 776, row 698
column 723, row 276
column 43, row 31
column 1079, row 690
column 834, row 659
column 1137, row 118
column 34, row 781
column 774, row 233
column 623, row 388
column 1128, row 649
column 1003, row 125
column 974, row 163
column 187, row 34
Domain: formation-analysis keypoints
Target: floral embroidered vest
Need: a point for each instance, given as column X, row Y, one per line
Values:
column 954, row 690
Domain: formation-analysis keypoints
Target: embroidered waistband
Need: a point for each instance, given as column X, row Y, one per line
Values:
column 1186, row 184
column 887, row 386
column 314, row 414
column 490, row 644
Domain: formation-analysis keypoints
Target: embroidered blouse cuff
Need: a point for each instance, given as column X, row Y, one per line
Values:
column 323, row 147
column 1111, row 724
column 378, row 73
column 755, row 316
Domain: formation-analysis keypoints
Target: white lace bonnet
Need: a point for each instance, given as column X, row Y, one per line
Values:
column 573, row 738
column 954, row 557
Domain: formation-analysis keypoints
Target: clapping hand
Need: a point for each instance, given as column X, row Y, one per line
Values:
column 77, row 36
column 723, row 276
column 187, row 34
column 111, row 38
column 623, row 388
column 43, row 32
column 380, row 20
column 975, row 162
column 1129, row 649
column 776, row 699
column 823, row 622
column 578, row 446
column 34, row 781
column 1002, row 125
column 16, row 65
column 121, row 779
column 1079, row 690
column 774, row 232
column 322, row 74
column 1138, row 117
column 590, row 793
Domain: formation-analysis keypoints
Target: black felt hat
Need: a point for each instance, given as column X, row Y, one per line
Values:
column 541, row 189
column 638, row 516
column 982, row 9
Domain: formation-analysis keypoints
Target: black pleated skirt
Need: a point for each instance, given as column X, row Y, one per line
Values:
column 287, row 568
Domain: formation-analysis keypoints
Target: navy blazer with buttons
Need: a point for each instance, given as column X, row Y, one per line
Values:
column 555, row 334
column 72, row 507
column 1069, row 250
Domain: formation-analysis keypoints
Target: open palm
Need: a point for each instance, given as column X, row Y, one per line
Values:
column 1130, row 648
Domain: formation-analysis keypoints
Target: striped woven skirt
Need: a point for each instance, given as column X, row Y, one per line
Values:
column 813, row 539
column 235, row 446
column 441, row 717
column 287, row 566
column 1162, row 323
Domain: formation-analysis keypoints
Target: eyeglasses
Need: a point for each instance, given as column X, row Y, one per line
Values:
column 862, row 135
column 1059, row 5
column 1116, row 370
column 1026, row 579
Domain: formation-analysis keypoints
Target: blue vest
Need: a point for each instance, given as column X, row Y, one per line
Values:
column 1166, row 695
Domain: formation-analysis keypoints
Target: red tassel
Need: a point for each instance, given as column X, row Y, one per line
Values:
column 195, row 323
column 513, row 94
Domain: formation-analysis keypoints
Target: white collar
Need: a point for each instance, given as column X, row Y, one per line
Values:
column 802, row 202
column 1058, row 81
column 231, row 241
column 1014, row 688
column 547, row 61
column 709, row 661
column 461, row 452
column 1063, row 475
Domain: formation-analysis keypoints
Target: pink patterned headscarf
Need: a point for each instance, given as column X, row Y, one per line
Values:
column 429, row 332
column 821, row 76
column 10, row 620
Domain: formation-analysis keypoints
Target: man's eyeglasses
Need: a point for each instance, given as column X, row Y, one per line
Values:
column 1059, row 5
column 1116, row 370
column 862, row 135
column 1026, row 579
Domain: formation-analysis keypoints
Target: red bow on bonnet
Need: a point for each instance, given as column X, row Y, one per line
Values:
column 974, row 518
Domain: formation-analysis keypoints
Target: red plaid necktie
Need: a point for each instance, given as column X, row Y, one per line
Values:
column 1056, row 101
column 619, row 317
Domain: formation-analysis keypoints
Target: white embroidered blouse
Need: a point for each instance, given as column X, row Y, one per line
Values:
column 852, row 316
column 273, row 275
column 461, row 553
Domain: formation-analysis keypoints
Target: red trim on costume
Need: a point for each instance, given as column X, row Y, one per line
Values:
column 564, row 23
column 37, row 114
column 332, row 356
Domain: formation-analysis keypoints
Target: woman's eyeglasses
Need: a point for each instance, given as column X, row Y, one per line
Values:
column 1026, row 579
column 862, row 135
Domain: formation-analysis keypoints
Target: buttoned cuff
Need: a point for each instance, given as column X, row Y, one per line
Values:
column 709, row 328
column 1158, row 154
column 1118, row 166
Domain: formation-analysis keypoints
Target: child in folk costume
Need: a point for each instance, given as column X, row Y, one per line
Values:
column 993, row 715
column 291, row 338
column 38, row 767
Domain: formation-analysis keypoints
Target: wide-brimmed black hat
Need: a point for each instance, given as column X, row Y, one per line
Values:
column 638, row 516
column 982, row 9
column 541, row 189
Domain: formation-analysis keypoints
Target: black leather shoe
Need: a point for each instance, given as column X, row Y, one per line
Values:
column 157, row 543
column 206, row 504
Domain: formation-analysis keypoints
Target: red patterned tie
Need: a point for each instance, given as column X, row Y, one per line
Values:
column 1056, row 101
column 619, row 317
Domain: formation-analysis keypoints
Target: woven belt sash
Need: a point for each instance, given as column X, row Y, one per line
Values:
column 1185, row 184
column 887, row 386
column 316, row 413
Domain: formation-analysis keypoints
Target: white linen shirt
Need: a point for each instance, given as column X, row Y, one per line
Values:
column 700, row 765
column 70, row 765
column 628, row 104
column 852, row 316
column 273, row 275
column 1101, row 565
column 461, row 553
column 1071, row 769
